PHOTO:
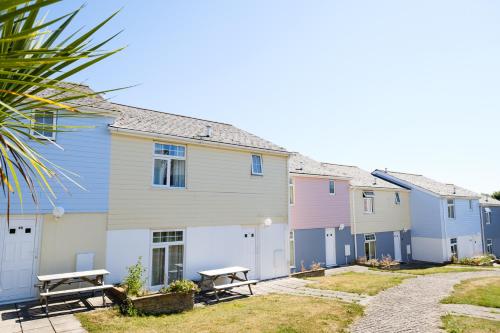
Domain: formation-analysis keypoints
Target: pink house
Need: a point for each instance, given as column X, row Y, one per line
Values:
column 320, row 214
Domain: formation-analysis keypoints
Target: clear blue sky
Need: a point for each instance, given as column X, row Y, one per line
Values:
column 411, row 86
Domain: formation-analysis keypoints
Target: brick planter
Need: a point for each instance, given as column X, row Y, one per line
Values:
column 157, row 303
column 306, row 274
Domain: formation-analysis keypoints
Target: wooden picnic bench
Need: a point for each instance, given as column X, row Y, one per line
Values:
column 49, row 282
column 230, row 273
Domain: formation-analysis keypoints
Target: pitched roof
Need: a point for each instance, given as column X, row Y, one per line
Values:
column 444, row 189
column 301, row 164
column 488, row 201
column 157, row 122
column 360, row 177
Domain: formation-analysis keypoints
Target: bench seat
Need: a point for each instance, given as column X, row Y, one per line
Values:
column 235, row 284
column 75, row 291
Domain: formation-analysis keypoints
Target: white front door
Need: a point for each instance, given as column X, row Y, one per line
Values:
column 249, row 254
column 397, row 246
column 331, row 259
column 17, row 260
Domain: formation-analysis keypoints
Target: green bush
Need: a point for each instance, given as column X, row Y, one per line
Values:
column 180, row 286
column 476, row 261
column 134, row 281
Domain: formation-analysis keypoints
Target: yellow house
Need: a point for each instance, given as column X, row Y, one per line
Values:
column 188, row 195
column 380, row 215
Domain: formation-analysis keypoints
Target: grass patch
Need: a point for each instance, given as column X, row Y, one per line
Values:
column 359, row 283
column 271, row 313
column 480, row 291
column 436, row 270
column 464, row 324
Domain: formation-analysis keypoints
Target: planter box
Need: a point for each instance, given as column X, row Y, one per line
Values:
column 385, row 268
column 156, row 303
column 306, row 274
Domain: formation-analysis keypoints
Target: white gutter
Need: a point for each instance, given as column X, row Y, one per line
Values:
column 483, row 236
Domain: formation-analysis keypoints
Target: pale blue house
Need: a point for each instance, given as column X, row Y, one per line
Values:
column 445, row 217
column 490, row 220
column 68, row 233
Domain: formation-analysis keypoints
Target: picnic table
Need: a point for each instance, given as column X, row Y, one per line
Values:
column 230, row 273
column 50, row 282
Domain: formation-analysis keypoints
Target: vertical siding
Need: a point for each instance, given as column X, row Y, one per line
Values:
column 387, row 215
column 492, row 230
column 315, row 207
column 86, row 153
column 219, row 188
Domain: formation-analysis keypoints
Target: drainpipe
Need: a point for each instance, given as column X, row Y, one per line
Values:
column 444, row 216
column 483, row 239
column 353, row 212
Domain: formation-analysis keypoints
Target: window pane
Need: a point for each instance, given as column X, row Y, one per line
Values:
column 292, row 249
column 292, row 194
column 170, row 150
column 175, row 262
column 158, row 267
column 256, row 164
column 177, row 173
column 160, row 172
column 332, row 186
column 44, row 122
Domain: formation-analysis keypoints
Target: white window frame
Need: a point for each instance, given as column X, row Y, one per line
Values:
column 370, row 242
column 451, row 205
column 291, row 191
column 254, row 173
column 54, row 126
column 397, row 198
column 489, row 246
column 369, row 196
column 454, row 244
column 168, row 158
column 487, row 215
column 166, row 245
column 330, row 182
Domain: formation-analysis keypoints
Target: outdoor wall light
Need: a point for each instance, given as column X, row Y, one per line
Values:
column 58, row 212
column 341, row 227
column 268, row 222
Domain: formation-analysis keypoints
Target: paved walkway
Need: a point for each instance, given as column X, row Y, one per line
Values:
column 412, row 306
column 30, row 317
column 472, row 310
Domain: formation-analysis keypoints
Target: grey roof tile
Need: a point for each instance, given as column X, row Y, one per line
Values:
column 157, row 122
column 444, row 189
column 301, row 164
column 488, row 201
column 360, row 177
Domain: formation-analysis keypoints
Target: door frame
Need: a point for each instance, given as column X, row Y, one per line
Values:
column 38, row 219
column 327, row 231
column 399, row 245
column 257, row 245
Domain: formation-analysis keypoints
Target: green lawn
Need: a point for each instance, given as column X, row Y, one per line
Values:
column 480, row 291
column 463, row 324
column 359, row 283
column 436, row 270
column 271, row 313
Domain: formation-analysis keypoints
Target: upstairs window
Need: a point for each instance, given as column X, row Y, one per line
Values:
column 332, row 186
column 44, row 125
column 451, row 208
column 489, row 246
column 368, row 202
column 257, row 165
column 169, row 165
column 487, row 215
column 397, row 198
column 471, row 206
column 291, row 186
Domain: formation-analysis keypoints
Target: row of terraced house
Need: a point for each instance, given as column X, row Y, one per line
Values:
column 185, row 195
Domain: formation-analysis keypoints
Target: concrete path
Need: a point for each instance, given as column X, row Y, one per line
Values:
column 473, row 311
column 30, row 317
column 412, row 306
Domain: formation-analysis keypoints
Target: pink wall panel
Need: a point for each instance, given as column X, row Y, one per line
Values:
column 315, row 207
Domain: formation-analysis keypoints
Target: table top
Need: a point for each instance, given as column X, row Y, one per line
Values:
column 72, row 275
column 224, row 271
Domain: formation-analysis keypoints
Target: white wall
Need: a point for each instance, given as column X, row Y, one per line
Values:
column 274, row 251
column 427, row 249
column 123, row 248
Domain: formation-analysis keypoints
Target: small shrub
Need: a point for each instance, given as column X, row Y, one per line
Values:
column 315, row 266
column 134, row 281
column 387, row 262
column 180, row 286
column 476, row 261
column 373, row 262
column 361, row 260
column 302, row 267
